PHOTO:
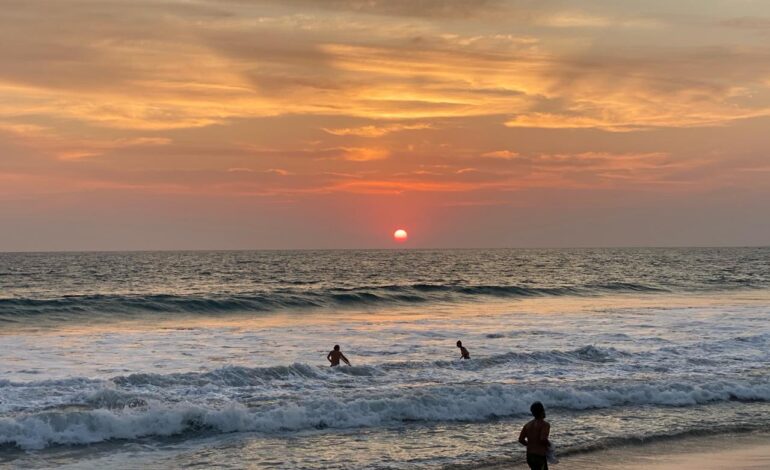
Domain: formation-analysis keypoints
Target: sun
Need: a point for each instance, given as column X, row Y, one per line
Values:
column 400, row 235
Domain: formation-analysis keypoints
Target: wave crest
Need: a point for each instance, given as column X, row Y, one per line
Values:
column 14, row 308
column 438, row 403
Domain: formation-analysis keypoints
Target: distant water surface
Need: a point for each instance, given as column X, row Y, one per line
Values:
column 257, row 281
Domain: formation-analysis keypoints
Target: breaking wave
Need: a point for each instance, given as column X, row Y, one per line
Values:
column 472, row 403
column 13, row 308
column 238, row 376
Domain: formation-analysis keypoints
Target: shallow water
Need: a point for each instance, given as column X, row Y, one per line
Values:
column 151, row 385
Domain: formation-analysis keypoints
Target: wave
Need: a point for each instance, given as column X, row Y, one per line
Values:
column 238, row 376
column 241, row 376
column 588, row 353
column 13, row 308
column 466, row 403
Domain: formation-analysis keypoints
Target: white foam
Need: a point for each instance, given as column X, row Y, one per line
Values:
column 440, row 403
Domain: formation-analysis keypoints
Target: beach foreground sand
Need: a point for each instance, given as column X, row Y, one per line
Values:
column 729, row 451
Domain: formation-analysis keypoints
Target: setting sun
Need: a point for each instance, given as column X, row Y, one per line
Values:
column 400, row 235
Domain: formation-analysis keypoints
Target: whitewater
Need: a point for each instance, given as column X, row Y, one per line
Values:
column 217, row 359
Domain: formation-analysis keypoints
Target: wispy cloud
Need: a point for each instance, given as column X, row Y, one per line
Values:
column 224, row 61
column 278, row 171
column 579, row 19
column 504, row 154
column 292, row 99
column 410, row 8
column 363, row 154
column 378, row 131
column 748, row 22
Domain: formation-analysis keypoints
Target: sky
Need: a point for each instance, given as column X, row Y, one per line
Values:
column 282, row 124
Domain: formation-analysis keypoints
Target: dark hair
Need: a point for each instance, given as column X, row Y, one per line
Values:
column 336, row 347
column 459, row 343
column 537, row 409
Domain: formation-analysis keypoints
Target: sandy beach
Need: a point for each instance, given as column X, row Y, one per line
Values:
column 730, row 451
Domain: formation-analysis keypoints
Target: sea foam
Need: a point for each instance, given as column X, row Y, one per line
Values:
column 416, row 404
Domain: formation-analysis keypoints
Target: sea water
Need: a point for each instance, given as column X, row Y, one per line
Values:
column 217, row 359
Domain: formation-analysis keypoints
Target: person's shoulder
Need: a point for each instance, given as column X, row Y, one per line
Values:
column 528, row 424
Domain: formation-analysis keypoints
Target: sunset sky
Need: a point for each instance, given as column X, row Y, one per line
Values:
column 197, row 124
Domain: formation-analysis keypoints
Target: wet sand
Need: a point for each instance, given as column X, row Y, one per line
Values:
column 729, row 451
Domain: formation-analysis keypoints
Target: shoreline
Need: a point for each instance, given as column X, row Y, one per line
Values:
column 750, row 451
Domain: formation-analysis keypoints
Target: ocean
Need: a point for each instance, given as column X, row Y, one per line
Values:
column 218, row 359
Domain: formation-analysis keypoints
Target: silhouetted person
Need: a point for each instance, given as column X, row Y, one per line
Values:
column 335, row 355
column 463, row 352
column 534, row 435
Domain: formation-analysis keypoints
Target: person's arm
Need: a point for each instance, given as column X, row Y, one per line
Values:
column 344, row 359
column 329, row 357
column 523, row 436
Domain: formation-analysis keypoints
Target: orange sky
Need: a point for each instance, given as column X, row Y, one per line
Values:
column 163, row 124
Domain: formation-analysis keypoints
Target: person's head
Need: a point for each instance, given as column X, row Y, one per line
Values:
column 336, row 347
column 459, row 344
column 538, row 410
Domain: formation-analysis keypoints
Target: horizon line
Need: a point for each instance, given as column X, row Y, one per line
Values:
column 202, row 250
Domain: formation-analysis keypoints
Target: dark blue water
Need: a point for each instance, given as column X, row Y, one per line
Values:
column 66, row 284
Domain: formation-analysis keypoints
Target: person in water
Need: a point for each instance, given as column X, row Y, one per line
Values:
column 335, row 355
column 534, row 435
column 463, row 352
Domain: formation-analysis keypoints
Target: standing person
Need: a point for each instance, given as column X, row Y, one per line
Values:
column 463, row 352
column 335, row 355
column 534, row 435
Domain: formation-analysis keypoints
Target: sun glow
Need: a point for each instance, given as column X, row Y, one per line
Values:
column 400, row 235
